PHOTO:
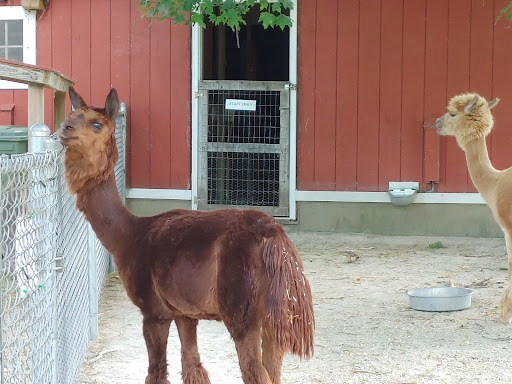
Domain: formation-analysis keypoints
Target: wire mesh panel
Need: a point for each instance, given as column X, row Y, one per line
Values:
column 72, row 328
column 28, row 200
column 52, row 269
column 244, row 145
column 237, row 178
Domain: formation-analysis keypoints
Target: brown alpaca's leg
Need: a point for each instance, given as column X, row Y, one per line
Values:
column 248, row 348
column 505, row 307
column 191, row 369
column 156, row 333
column 272, row 358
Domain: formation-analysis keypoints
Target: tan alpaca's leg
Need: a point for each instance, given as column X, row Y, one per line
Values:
column 272, row 358
column 505, row 307
column 156, row 333
column 191, row 369
column 248, row 348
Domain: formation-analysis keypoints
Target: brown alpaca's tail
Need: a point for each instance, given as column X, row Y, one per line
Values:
column 289, row 320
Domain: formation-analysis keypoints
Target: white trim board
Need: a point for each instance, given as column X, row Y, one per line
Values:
column 293, row 79
column 196, row 59
column 383, row 197
column 321, row 196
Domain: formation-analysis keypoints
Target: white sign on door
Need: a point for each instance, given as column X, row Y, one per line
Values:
column 241, row 105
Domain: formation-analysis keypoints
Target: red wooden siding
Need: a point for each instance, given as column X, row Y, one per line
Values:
column 104, row 43
column 397, row 63
column 372, row 73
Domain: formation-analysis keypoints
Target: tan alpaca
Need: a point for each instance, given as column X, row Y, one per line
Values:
column 470, row 120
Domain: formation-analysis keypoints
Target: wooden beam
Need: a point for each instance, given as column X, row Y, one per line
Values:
column 31, row 74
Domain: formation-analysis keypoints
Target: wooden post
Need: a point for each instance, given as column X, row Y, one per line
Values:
column 59, row 109
column 35, row 105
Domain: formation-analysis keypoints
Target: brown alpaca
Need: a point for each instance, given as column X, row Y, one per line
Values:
column 470, row 120
column 235, row 266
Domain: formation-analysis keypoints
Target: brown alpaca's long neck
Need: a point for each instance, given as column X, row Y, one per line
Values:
column 111, row 221
column 481, row 170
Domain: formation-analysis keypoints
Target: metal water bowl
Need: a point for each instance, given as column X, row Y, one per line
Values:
column 440, row 299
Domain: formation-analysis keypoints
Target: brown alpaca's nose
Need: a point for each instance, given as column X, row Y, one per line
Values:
column 66, row 126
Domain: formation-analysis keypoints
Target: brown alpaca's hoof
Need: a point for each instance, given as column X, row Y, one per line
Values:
column 195, row 375
column 505, row 307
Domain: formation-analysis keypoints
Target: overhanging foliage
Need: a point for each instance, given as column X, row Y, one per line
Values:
column 228, row 12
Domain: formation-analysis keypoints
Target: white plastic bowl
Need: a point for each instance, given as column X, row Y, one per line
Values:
column 440, row 299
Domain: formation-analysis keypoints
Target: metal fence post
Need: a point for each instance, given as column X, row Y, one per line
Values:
column 93, row 283
column 37, row 135
column 53, row 143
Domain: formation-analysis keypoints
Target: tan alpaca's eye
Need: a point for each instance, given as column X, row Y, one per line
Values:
column 453, row 114
column 97, row 126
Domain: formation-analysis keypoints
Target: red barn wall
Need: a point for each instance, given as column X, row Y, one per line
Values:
column 372, row 72
column 104, row 43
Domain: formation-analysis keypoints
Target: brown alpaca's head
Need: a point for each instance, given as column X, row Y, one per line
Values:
column 89, row 135
column 468, row 118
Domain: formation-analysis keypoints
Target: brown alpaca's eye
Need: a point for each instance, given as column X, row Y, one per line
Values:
column 97, row 125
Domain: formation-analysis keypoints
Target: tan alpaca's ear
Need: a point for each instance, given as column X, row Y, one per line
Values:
column 494, row 103
column 76, row 100
column 471, row 105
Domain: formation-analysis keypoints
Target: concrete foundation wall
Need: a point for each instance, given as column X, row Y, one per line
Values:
column 471, row 220
column 468, row 220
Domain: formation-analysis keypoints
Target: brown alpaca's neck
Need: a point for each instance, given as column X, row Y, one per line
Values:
column 481, row 170
column 111, row 221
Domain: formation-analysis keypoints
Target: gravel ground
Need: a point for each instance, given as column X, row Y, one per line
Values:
column 365, row 330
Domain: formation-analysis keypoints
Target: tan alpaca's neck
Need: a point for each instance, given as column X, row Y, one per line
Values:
column 481, row 170
column 111, row 221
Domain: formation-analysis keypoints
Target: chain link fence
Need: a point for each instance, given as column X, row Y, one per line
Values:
column 52, row 269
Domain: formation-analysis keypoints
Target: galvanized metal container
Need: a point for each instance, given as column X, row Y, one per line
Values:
column 440, row 299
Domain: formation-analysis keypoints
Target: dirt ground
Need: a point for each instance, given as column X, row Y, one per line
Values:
column 365, row 330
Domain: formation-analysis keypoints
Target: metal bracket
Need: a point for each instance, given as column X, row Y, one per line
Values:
column 290, row 87
column 197, row 95
column 59, row 260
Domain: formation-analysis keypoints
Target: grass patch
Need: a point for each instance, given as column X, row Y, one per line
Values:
column 436, row 245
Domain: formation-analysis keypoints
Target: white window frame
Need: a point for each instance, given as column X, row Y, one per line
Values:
column 29, row 38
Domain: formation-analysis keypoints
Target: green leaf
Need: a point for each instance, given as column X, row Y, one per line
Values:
column 267, row 19
column 197, row 18
column 283, row 21
column 287, row 4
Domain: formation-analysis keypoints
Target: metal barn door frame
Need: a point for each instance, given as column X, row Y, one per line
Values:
column 243, row 155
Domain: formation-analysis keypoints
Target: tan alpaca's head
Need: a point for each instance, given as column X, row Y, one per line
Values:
column 468, row 118
column 89, row 135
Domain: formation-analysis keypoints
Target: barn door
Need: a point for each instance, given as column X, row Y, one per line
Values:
column 243, row 158
column 243, row 123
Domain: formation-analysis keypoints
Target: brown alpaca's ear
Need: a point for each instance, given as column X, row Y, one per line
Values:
column 76, row 100
column 112, row 104
column 470, row 107
column 494, row 103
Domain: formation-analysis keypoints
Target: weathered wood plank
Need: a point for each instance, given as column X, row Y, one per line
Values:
column 31, row 74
